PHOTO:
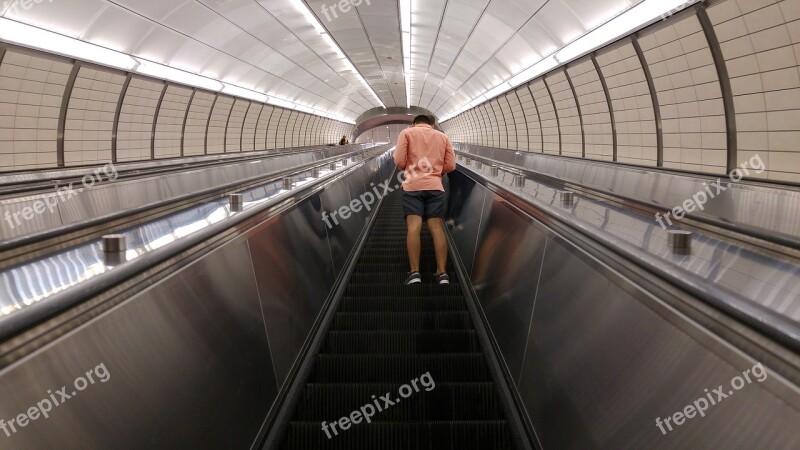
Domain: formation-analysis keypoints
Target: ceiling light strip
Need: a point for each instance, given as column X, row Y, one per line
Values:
column 304, row 9
column 405, row 32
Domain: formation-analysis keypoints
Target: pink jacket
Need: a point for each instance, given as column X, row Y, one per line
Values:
column 425, row 154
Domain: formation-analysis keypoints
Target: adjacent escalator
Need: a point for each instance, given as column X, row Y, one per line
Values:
column 409, row 356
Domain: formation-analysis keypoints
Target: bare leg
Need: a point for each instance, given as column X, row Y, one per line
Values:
column 413, row 243
column 436, row 227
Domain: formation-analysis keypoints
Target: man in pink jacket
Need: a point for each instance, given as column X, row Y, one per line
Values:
column 425, row 154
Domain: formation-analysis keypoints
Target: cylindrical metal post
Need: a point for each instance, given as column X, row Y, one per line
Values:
column 679, row 241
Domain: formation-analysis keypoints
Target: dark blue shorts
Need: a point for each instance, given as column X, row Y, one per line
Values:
column 426, row 204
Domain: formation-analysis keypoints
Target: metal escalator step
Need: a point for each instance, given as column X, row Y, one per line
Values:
column 401, row 342
column 400, row 303
column 455, row 435
column 434, row 401
column 370, row 277
column 392, row 289
column 383, row 336
column 443, row 367
column 344, row 321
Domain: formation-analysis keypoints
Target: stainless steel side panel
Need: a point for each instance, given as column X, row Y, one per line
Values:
column 293, row 266
column 195, row 361
column 602, row 366
column 601, row 360
column 505, row 274
column 768, row 208
column 188, row 361
column 465, row 210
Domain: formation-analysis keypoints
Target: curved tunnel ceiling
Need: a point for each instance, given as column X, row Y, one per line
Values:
column 335, row 59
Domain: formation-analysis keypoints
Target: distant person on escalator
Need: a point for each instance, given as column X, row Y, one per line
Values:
column 344, row 141
column 425, row 154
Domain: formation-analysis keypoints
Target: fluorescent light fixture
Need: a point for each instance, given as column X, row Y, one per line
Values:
column 245, row 93
column 179, row 76
column 33, row 37
column 280, row 102
column 405, row 31
column 497, row 90
column 534, row 71
column 310, row 17
column 642, row 14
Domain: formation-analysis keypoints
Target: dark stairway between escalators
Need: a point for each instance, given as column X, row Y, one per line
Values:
column 384, row 335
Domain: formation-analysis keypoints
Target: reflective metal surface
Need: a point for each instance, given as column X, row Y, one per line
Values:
column 753, row 283
column 196, row 360
column 769, row 209
column 188, row 362
column 103, row 198
column 34, row 281
column 595, row 358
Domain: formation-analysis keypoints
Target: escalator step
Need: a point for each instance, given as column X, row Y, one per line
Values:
column 402, row 321
column 434, row 401
column 396, row 278
column 383, row 336
column 460, row 435
column 402, row 304
column 405, row 342
column 443, row 367
column 417, row 290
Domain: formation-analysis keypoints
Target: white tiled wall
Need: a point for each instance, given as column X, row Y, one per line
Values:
column 136, row 118
column 637, row 142
column 233, row 138
column 547, row 115
column 690, row 96
column 502, row 129
column 90, row 116
column 31, row 92
column 218, row 123
column 249, row 130
column 33, row 89
column 508, row 117
column 291, row 124
column 760, row 44
column 272, row 132
column 195, row 135
column 263, row 126
column 532, row 120
column 169, row 125
column 570, row 121
column 594, row 110
column 760, row 41
column 283, row 125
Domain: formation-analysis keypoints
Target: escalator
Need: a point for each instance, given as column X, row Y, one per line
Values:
column 415, row 343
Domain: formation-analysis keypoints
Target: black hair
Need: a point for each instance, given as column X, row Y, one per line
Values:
column 422, row 119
